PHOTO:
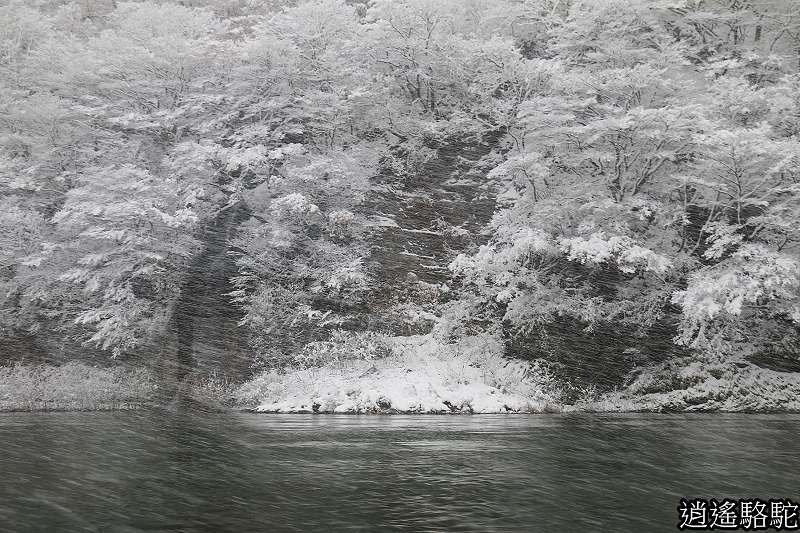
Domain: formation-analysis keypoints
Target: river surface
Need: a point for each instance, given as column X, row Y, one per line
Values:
column 187, row 472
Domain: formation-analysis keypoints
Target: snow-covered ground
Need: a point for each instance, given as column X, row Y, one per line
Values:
column 423, row 375
column 420, row 376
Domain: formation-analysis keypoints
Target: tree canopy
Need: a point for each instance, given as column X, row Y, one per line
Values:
column 538, row 170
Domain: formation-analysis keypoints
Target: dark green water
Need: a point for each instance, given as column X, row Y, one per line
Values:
column 159, row 471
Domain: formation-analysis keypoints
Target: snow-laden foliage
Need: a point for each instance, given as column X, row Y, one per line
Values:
column 606, row 174
column 627, row 255
column 344, row 346
column 645, row 180
column 724, row 302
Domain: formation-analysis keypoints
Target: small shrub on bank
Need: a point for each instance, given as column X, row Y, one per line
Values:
column 345, row 346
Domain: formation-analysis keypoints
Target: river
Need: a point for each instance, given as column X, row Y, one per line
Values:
column 197, row 472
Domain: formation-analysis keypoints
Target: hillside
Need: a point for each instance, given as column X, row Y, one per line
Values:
column 602, row 196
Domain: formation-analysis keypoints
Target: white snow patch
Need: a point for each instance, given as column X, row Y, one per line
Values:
column 422, row 376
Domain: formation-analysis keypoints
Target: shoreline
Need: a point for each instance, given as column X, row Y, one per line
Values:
column 402, row 386
column 105, row 408
column 200, row 407
column 110, row 409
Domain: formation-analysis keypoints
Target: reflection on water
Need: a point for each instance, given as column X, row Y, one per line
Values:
column 157, row 471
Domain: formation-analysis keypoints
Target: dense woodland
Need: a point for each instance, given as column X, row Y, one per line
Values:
column 244, row 184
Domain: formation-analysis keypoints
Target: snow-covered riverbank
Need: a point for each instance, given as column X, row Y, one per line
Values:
column 683, row 386
column 424, row 376
column 419, row 376
column 74, row 387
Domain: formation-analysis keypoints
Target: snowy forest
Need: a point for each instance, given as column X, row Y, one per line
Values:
column 401, row 205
